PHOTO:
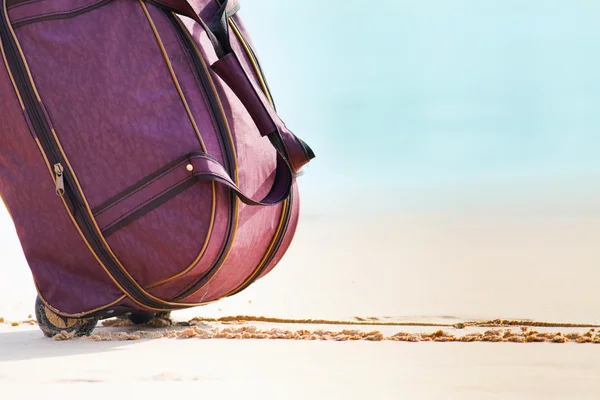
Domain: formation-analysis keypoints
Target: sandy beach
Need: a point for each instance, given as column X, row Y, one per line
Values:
column 448, row 240
column 297, row 369
column 434, row 270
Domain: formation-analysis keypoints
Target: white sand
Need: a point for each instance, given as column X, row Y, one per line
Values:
column 418, row 268
column 296, row 370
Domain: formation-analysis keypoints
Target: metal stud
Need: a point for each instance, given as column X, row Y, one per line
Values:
column 189, row 167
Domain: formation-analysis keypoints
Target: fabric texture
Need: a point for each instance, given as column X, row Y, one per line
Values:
column 173, row 197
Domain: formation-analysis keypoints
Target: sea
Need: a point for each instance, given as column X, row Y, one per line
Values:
column 462, row 106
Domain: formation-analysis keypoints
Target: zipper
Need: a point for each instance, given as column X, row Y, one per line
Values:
column 58, row 177
column 66, row 186
column 226, row 147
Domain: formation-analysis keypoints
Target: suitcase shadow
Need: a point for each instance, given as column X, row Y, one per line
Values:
column 32, row 344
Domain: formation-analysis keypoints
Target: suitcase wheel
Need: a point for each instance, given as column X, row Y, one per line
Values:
column 142, row 318
column 51, row 323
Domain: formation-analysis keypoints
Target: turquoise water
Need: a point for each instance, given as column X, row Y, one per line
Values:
column 436, row 105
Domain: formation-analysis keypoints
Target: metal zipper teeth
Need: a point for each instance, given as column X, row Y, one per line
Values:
column 227, row 153
column 73, row 199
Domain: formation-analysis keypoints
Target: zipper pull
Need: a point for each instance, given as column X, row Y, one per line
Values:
column 60, row 184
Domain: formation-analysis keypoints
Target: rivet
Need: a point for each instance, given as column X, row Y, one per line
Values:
column 189, row 167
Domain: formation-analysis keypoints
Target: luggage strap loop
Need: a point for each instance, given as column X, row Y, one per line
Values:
column 205, row 167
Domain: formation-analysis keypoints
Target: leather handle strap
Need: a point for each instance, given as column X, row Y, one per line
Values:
column 207, row 168
column 291, row 148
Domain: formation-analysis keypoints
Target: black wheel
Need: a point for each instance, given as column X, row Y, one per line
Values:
column 143, row 318
column 51, row 323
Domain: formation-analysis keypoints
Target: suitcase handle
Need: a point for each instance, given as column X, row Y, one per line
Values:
column 295, row 152
column 218, row 33
column 205, row 167
column 292, row 149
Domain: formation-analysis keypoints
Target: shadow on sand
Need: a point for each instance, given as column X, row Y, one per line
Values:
column 32, row 344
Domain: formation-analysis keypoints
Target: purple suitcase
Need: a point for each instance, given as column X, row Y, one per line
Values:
column 142, row 161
